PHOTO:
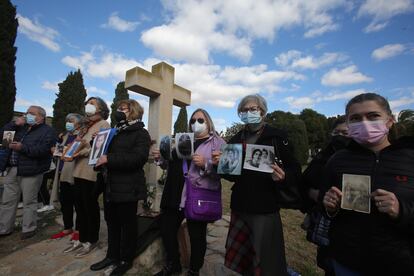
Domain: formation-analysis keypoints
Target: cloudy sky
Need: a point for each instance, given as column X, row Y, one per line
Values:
column 297, row 54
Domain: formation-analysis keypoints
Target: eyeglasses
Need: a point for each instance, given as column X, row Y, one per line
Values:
column 251, row 109
column 200, row 120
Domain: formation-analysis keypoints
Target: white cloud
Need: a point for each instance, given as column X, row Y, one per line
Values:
column 197, row 28
column 38, row 33
column 23, row 104
column 382, row 11
column 50, row 86
column 298, row 103
column 388, row 51
column 297, row 60
column 119, row 24
column 101, row 64
column 96, row 90
column 346, row 76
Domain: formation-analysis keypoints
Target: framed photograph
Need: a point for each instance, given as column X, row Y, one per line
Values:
column 356, row 193
column 184, row 145
column 259, row 158
column 166, row 147
column 98, row 146
column 230, row 159
column 70, row 151
column 8, row 137
column 59, row 149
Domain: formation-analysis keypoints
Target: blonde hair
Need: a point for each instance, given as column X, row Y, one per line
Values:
column 135, row 109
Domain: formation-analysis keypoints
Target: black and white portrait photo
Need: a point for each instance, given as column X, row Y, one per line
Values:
column 8, row 137
column 59, row 148
column 356, row 193
column 259, row 158
column 98, row 146
column 165, row 147
column 230, row 159
column 185, row 145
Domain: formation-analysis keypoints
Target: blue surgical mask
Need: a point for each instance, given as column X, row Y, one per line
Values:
column 70, row 126
column 250, row 117
column 30, row 119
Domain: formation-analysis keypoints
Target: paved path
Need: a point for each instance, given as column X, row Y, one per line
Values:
column 46, row 257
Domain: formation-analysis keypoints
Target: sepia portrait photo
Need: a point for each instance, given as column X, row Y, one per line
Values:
column 8, row 137
column 184, row 145
column 356, row 193
column 259, row 158
column 98, row 146
column 230, row 159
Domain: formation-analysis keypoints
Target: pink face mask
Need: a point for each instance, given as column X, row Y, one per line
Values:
column 368, row 132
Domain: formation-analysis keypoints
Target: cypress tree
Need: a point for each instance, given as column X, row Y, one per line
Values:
column 120, row 94
column 8, row 31
column 180, row 124
column 70, row 99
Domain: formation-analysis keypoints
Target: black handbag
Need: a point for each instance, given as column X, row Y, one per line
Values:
column 288, row 196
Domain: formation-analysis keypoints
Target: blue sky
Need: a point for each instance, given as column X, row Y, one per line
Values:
column 297, row 54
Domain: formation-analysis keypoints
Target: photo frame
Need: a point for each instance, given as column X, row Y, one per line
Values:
column 72, row 149
column 8, row 138
column 259, row 158
column 184, row 145
column 231, row 159
column 99, row 146
column 356, row 193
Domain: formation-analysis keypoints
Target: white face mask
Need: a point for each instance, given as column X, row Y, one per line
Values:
column 90, row 109
column 198, row 128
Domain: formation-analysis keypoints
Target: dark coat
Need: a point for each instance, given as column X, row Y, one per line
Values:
column 256, row 192
column 374, row 243
column 174, row 183
column 127, row 154
column 35, row 156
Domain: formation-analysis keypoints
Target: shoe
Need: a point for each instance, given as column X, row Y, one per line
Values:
column 102, row 264
column 46, row 208
column 87, row 248
column 192, row 273
column 20, row 205
column 121, row 268
column 169, row 269
column 27, row 235
column 75, row 236
column 60, row 235
column 75, row 246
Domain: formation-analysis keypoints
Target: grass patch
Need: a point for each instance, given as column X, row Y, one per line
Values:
column 300, row 254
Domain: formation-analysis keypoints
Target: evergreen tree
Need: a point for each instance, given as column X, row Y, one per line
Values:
column 70, row 99
column 120, row 94
column 316, row 128
column 8, row 30
column 231, row 131
column 296, row 132
column 180, row 124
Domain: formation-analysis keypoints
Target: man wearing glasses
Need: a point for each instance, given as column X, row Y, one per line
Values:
column 25, row 160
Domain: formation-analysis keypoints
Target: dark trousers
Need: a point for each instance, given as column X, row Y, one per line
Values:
column 197, row 230
column 121, row 220
column 44, row 195
column 87, row 201
column 67, row 203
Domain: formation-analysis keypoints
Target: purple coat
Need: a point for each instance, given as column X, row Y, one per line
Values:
column 206, row 177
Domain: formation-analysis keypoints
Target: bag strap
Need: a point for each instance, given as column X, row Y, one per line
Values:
column 278, row 159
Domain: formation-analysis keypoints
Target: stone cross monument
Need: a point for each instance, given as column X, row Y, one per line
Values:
column 159, row 86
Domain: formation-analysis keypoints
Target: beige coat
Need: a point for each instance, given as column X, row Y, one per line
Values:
column 82, row 169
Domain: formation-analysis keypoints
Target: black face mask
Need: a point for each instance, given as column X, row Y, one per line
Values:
column 340, row 142
column 120, row 116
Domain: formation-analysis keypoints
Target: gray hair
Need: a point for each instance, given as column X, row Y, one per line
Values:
column 261, row 102
column 212, row 129
column 74, row 116
column 102, row 106
column 41, row 110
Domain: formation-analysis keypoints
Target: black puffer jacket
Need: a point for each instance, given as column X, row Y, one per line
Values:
column 256, row 192
column 374, row 243
column 127, row 155
column 35, row 156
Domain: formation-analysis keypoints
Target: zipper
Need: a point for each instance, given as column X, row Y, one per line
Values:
column 199, row 202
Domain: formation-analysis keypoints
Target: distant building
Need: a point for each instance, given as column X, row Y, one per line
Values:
column 18, row 114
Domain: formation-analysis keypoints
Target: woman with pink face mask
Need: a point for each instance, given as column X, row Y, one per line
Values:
column 380, row 242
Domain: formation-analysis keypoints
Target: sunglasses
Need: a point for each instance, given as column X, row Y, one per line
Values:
column 200, row 120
